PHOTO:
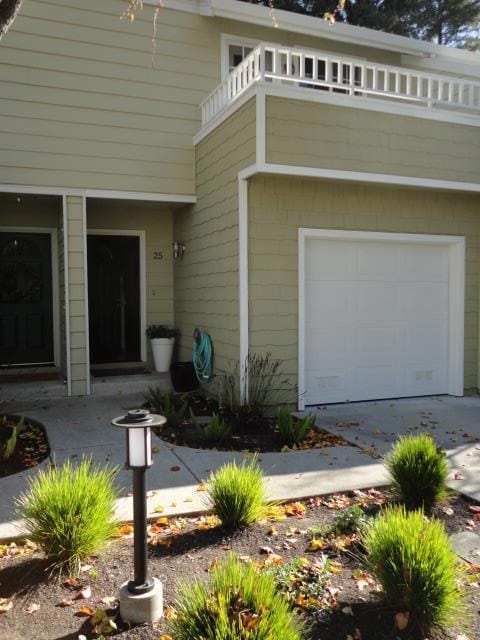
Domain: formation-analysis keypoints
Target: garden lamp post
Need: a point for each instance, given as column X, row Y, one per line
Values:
column 141, row 599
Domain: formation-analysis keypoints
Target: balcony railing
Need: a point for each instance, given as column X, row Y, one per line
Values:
column 355, row 77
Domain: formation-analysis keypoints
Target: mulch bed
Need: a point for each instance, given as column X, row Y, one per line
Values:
column 31, row 448
column 183, row 549
column 260, row 437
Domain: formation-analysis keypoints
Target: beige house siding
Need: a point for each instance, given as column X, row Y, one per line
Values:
column 81, row 105
column 76, row 294
column 206, row 279
column 318, row 135
column 279, row 206
column 156, row 221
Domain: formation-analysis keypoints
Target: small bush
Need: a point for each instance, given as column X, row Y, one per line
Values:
column 263, row 381
column 216, row 430
column 169, row 405
column 349, row 520
column 413, row 560
column 237, row 494
column 291, row 430
column 419, row 471
column 305, row 583
column 11, row 443
column 68, row 511
column 238, row 604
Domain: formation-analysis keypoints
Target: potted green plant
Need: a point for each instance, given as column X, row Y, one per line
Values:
column 162, row 339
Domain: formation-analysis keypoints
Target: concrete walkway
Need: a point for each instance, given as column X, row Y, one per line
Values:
column 81, row 426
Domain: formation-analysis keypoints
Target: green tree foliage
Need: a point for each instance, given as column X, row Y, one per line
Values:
column 448, row 22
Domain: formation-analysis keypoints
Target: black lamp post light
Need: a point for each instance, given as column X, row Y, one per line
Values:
column 141, row 599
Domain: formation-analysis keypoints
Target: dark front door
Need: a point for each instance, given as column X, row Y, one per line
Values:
column 114, row 298
column 26, row 309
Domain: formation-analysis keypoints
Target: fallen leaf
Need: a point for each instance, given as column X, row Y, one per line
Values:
column 72, row 582
column 5, row 605
column 32, row 608
column 65, row 603
column 267, row 550
column 316, row 544
column 84, row 594
column 126, row 530
column 85, row 611
column 402, row 618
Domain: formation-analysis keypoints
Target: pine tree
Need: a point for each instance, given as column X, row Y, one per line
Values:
column 448, row 22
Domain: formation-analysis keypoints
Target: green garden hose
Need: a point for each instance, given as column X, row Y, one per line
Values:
column 202, row 355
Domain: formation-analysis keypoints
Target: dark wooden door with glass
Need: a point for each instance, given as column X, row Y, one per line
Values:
column 114, row 298
column 26, row 308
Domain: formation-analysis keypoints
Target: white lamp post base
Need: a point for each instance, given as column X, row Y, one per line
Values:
column 144, row 607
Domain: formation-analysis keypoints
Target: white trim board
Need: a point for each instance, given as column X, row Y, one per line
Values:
column 397, row 106
column 142, row 275
column 456, row 245
column 364, row 176
column 55, row 280
column 68, row 355
column 87, row 316
column 98, row 193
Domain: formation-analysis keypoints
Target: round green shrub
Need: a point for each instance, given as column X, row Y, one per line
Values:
column 237, row 494
column 69, row 512
column 419, row 471
column 413, row 560
column 238, row 604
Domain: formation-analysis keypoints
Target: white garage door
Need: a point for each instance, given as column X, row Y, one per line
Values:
column 376, row 319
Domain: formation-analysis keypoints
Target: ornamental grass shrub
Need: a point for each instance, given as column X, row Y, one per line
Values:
column 413, row 560
column 69, row 512
column 293, row 431
column 237, row 493
column 419, row 471
column 237, row 604
column 216, row 430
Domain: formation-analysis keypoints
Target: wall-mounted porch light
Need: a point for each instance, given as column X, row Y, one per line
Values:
column 178, row 249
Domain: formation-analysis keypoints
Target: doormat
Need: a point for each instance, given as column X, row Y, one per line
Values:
column 103, row 373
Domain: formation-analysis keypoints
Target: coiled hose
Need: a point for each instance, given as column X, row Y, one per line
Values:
column 202, row 355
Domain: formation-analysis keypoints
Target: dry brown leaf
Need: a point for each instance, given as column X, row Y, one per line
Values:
column 65, row 603
column 5, row 605
column 32, row 608
column 402, row 618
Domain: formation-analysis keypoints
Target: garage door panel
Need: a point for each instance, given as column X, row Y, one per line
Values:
column 333, row 345
column 328, row 303
column 430, row 261
column 376, row 320
column 423, row 301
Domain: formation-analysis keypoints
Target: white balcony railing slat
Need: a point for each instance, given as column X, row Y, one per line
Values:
column 329, row 72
